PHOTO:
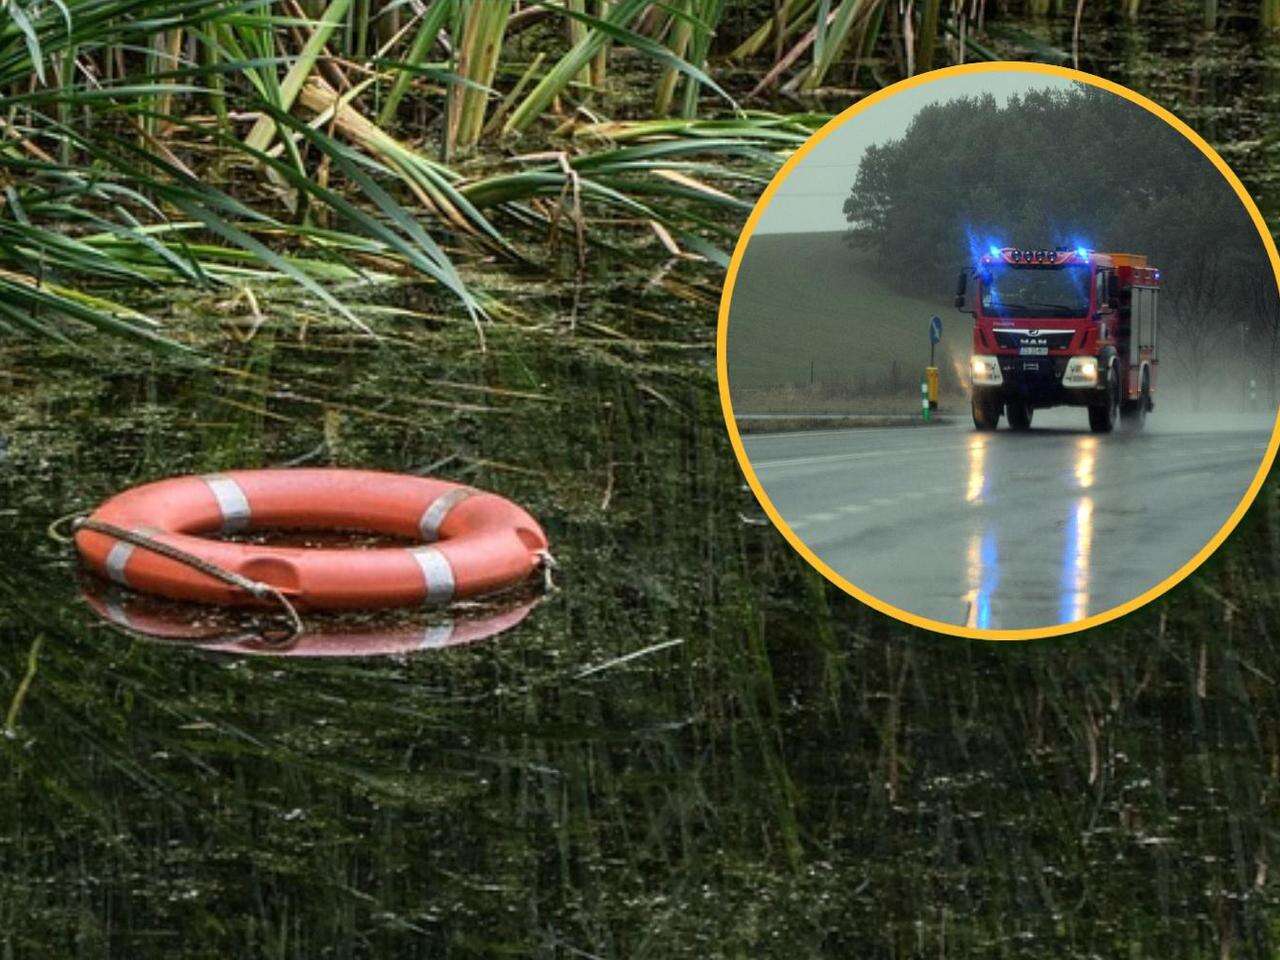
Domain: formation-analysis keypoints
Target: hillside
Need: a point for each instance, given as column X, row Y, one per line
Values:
column 806, row 306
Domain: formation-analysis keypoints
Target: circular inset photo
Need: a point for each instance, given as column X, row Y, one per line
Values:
column 998, row 350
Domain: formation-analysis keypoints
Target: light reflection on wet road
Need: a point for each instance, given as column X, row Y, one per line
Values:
column 1008, row 530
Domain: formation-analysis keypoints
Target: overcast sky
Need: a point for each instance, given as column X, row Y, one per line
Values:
column 812, row 196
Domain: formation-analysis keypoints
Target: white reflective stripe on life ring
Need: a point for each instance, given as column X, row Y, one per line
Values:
column 119, row 556
column 232, row 502
column 437, row 572
column 121, row 551
column 434, row 515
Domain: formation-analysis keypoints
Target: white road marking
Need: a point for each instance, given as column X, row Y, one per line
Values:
column 835, row 457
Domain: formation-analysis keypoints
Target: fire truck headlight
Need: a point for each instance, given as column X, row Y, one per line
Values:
column 986, row 371
column 1081, row 372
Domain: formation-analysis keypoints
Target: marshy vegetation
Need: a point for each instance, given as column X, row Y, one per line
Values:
column 211, row 144
column 783, row 772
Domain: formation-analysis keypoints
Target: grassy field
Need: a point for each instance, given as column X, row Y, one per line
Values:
column 813, row 324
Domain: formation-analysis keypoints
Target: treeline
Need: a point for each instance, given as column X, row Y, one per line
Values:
column 1081, row 167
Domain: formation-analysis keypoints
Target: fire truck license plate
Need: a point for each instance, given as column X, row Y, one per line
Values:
column 1034, row 352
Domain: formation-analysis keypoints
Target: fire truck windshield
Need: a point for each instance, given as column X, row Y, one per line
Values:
column 1011, row 291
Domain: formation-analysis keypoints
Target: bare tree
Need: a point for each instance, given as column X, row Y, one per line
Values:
column 1261, row 303
column 1191, row 320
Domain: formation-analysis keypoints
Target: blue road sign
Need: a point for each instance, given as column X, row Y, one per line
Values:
column 935, row 329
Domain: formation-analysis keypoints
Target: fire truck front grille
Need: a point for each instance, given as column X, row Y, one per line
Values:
column 1017, row 339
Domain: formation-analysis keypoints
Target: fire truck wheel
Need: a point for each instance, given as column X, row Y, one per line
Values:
column 1133, row 413
column 1019, row 414
column 986, row 413
column 1102, row 418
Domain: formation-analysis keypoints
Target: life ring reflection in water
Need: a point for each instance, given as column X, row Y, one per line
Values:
column 196, row 627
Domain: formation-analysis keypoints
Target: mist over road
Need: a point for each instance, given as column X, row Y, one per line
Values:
column 1005, row 530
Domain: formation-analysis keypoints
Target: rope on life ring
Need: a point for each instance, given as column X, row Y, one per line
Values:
column 260, row 590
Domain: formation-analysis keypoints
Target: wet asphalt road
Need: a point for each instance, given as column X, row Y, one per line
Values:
column 1004, row 530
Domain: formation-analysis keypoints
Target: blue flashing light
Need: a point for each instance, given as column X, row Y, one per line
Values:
column 995, row 251
column 1082, row 253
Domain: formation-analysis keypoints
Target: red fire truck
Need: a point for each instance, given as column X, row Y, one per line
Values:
column 1065, row 326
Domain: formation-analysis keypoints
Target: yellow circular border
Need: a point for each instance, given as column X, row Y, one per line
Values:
column 722, row 338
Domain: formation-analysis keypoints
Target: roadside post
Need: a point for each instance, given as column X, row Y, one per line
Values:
column 931, row 371
column 925, row 409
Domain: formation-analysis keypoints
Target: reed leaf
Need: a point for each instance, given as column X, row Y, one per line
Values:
column 564, row 72
column 483, row 29
column 260, row 136
column 433, row 20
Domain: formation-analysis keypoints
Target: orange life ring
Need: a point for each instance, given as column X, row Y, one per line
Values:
column 472, row 542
